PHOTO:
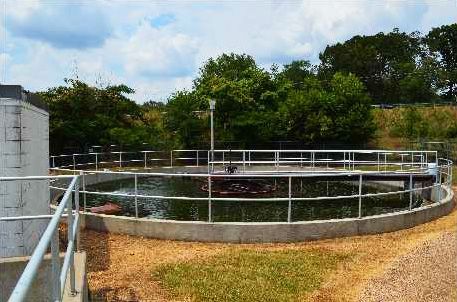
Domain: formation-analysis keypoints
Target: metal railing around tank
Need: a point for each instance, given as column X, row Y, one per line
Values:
column 347, row 159
column 350, row 163
column 50, row 237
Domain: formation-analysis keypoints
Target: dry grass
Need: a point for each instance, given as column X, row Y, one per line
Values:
column 250, row 275
column 120, row 267
column 439, row 121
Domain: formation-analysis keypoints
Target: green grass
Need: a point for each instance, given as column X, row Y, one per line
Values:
column 249, row 275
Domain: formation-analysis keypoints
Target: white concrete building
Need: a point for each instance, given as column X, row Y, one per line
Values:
column 24, row 151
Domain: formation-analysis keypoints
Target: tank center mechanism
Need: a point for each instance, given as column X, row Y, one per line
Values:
column 238, row 186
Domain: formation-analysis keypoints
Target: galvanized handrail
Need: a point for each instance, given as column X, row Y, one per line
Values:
column 347, row 159
column 51, row 237
column 445, row 169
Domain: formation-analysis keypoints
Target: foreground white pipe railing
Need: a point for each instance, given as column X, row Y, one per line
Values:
column 51, row 237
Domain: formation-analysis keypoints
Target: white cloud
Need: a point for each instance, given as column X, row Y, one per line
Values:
column 157, row 60
column 152, row 52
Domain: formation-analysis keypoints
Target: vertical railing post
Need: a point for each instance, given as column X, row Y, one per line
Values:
column 71, row 240
column 385, row 162
column 53, row 162
column 171, row 158
column 96, row 162
column 360, row 196
column 212, row 160
column 136, row 195
column 55, row 266
column 412, row 161
column 74, row 165
column 353, row 160
column 289, row 207
column 301, row 159
column 410, row 191
column 197, row 158
column 210, row 218
column 249, row 157
column 244, row 161
column 83, row 176
column 77, row 210
column 439, row 184
column 120, row 159
column 344, row 160
column 378, row 162
column 145, row 159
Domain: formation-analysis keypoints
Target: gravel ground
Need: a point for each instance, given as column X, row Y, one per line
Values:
column 427, row 273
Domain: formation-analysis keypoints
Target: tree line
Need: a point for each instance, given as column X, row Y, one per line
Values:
column 326, row 103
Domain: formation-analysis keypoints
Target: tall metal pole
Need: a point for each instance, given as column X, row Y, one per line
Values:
column 212, row 106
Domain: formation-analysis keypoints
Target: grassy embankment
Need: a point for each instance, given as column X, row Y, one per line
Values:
column 437, row 124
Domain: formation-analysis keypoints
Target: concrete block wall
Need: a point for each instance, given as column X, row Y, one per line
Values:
column 24, row 151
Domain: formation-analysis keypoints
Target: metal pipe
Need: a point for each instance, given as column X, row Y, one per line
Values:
column 360, row 196
column 84, row 190
column 210, row 218
column 66, row 267
column 289, row 207
column 74, row 164
column 55, row 266
column 136, row 196
column 439, row 186
column 212, row 105
column 244, row 162
column 35, row 217
column 76, row 220
column 71, row 240
column 25, row 281
column 260, row 199
column 410, row 192
column 171, row 158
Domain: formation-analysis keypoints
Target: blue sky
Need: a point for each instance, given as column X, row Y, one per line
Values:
column 156, row 47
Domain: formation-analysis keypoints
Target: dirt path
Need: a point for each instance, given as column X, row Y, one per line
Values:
column 381, row 268
column 428, row 273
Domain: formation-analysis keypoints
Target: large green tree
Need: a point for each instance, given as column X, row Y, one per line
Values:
column 442, row 41
column 386, row 64
column 296, row 72
column 246, row 95
column 186, row 118
column 338, row 112
column 81, row 115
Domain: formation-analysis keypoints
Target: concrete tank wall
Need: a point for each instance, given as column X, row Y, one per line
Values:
column 265, row 232
column 24, row 151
